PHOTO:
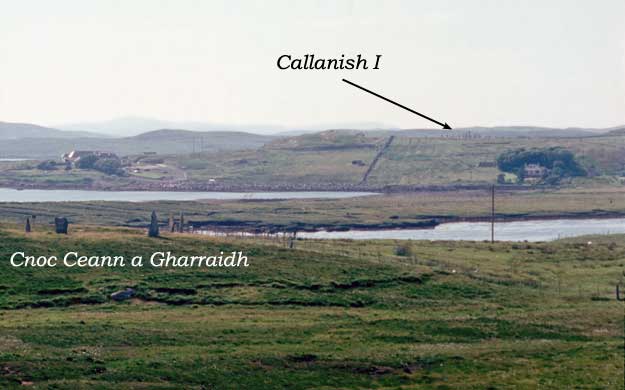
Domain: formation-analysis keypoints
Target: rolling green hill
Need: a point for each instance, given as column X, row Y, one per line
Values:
column 15, row 131
column 158, row 141
column 323, row 315
column 334, row 159
column 343, row 157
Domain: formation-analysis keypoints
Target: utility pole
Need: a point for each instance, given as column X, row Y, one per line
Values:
column 492, row 214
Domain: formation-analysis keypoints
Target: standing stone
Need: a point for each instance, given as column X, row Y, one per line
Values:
column 171, row 225
column 181, row 225
column 153, row 230
column 27, row 228
column 60, row 225
column 292, row 239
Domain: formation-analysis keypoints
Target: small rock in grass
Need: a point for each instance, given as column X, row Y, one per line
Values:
column 123, row 295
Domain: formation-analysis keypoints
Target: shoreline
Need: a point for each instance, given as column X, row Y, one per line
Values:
column 292, row 223
column 421, row 225
column 283, row 187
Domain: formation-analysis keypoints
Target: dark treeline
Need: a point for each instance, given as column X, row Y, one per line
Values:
column 559, row 161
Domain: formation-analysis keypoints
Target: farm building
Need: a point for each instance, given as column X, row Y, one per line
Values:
column 534, row 170
column 75, row 155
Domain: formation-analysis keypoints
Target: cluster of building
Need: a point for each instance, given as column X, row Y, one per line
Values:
column 529, row 170
column 535, row 171
column 75, row 155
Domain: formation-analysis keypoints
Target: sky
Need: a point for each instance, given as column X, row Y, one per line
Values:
column 558, row 63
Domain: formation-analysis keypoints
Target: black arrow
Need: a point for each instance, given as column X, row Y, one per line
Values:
column 445, row 125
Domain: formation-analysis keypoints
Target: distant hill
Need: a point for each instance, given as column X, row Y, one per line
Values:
column 533, row 131
column 20, row 140
column 351, row 138
column 618, row 130
column 9, row 130
column 496, row 131
column 334, row 158
column 158, row 141
column 131, row 126
column 214, row 136
column 327, row 140
column 176, row 141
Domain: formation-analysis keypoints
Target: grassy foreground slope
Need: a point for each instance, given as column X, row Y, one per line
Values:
column 323, row 315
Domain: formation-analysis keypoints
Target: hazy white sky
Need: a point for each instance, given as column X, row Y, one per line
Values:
column 544, row 62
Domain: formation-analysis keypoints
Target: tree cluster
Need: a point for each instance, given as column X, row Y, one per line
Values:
column 110, row 166
column 560, row 163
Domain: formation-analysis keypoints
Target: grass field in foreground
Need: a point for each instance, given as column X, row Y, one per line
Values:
column 325, row 315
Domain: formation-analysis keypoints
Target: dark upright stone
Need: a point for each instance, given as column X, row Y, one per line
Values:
column 181, row 225
column 153, row 230
column 171, row 224
column 27, row 228
column 60, row 225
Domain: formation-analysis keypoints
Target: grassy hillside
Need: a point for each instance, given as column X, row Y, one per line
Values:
column 497, row 131
column 134, row 125
column 160, row 141
column 344, row 157
column 14, row 131
column 322, row 315
column 327, row 160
